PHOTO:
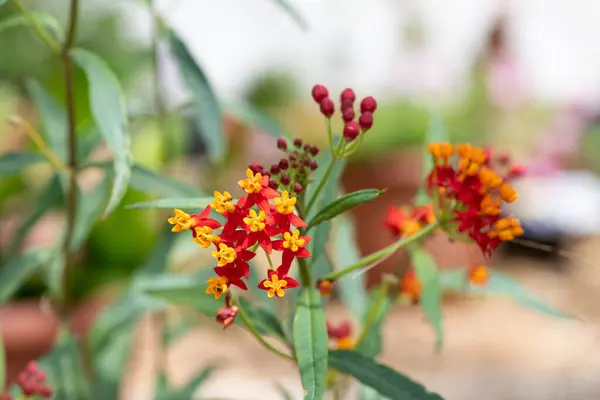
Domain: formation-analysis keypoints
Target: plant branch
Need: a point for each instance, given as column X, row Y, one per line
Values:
column 258, row 336
column 386, row 251
column 39, row 30
column 38, row 140
column 325, row 178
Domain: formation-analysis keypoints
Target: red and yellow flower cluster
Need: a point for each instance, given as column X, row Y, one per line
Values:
column 470, row 195
column 341, row 335
column 251, row 221
column 405, row 222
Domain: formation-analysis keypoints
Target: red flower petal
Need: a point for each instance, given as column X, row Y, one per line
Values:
column 278, row 245
column 296, row 221
column 261, row 284
column 302, row 253
column 291, row 282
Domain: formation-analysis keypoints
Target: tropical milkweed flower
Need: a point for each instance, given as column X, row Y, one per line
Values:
column 341, row 335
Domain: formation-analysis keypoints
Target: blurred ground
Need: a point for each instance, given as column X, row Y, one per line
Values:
column 494, row 350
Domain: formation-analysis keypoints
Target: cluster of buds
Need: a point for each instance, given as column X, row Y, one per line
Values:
column 251, row 222
column 470, row 195
column 32, row 382
column 407, row 221
column 352, row 127
column 292, row 172
column 341, row 335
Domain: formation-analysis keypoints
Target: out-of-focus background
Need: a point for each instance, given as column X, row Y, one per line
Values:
column 521, row 76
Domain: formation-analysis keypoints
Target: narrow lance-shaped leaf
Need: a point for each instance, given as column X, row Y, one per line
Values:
column 207, row 108
column 181, row 203
column 431, row 292
column 263, row 320
column 18, row 270
column 310, row 343
column 385, row 380
column 345, row 203
column 13, row 163
column 89, row 210
column 108, row 109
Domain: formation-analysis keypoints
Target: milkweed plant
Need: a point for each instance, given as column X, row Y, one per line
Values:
column 292, row 214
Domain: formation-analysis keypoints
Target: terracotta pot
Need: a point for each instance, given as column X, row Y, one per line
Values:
column 29, row 331
column 401, row 173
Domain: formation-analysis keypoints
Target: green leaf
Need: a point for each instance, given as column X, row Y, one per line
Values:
column 14, row 274
column 351, row 287
column 343, row 204
column 148, row 181
column 53, row 115
column 254, row 116
column 292, row 12
column 207, row 108
column 44, row 19
column 431, row 293
column 2, row 364
column 13, row 163
column 370, row 343
column 501, row 285
column 89, row 210
column 320, row 265
column 265, row 322
column 50, row 197
column 182, row 203
column 380, row 377
column 108, row 109
column 53, row 273
column 310, row 343
column 65, row 370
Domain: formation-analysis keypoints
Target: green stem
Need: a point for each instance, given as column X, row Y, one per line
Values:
column 39, row 30
column 257, row 335
column 325, row 178
column 305, row 277
column 373, row 312
column 269, row 260
column 371, row 258
column 330, row 136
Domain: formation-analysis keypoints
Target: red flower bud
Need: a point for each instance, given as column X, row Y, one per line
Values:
column 368, row 104
column 314, row 151
column 226, row 315
column 256, row 168
column 351, row 130
column 298, row 142
column 366, row 121
column 327, row 107
column 285, row 180
column 348, row 95
column 273, row 184
column 319, row 92
column 31, row 367
column 348, row 114
column 284, row 164
column 282, row 144
column 45, row 391
column 298, row 188
column 275, row 169
column 306, row 147
column 313, row 165
column 516, row 171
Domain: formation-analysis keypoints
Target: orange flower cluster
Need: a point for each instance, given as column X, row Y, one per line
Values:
column 341, row 335
column 405, row 222
column 472, row 192
column 252, row 221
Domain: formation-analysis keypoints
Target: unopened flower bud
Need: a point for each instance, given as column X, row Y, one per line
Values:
column 31, row 367
column 298, row 188
column 275, row 169
column 294, row 164
column 256, row 168
column 325, row 287
column 319, row 92
column 351, row 131
column 282, row 144
column 307, row 147
column 516, row 171
column 348, row 114
column 314, row 151
column 327, row 107
column 368, row 104
column 226, row 315
column 273, row 184
column 301, row 171
column 313, row 165
column 284, row 164
column 45, row 391
column 347, row 95
column 366, row 121
column 285, row 180
column 298, row 142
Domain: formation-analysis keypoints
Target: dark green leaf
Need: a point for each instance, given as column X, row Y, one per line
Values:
column 343, row 204
column 50, row 197
column 89, row 210
column 370, row 343
column 13, row 163
column 310, row 343
column 382, row 378
column 65, row 370
column 253, row 116
column 287, row 7
column 19, row 269
column 320, row 264
column 265, row 322
column 108, row 109
column 351, row 288
column 44, row 19
column 502, row 285
column 148, row 181
column 54, row 118
column 431, row 294
column 182, row 203
column 206, row 104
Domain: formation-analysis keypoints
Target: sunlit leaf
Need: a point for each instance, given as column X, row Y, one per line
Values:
column 13, row 163
column 385, row 380
column 181, row 203
column 19, row 269
column 310, row 343
column 109, row 111
column 431, row 292
column 206, row 105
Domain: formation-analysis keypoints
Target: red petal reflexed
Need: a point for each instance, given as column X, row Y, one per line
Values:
column 302, row 253
column 265, row 242
column 296, row 221
column 291, row 282
column 278, row 245
column 261, row 284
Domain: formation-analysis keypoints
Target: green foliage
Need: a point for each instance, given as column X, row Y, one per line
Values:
column 109, row 111
column 13, row 163
column 19, row 269
column 43, row 19
column 206, row 105
column 310, row 343
column 181, row 203
column 265, row 322
column 431, row 292
column 385, row 380
column 343, row 204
